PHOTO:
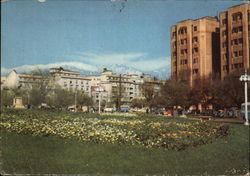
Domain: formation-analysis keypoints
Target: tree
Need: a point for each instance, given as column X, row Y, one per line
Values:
column 138, row 103
column 83, row 99
column 149, row 92
column 174, row 93
column 7, row 96
column 229, row 92
column 61, row 98
column 40, row 87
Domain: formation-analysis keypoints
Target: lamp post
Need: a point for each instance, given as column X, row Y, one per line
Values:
column 99, row 90
column 245, row 78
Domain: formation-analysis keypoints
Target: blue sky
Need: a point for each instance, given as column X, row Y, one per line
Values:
column 93, row 34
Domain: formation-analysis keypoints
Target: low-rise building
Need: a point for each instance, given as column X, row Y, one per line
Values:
column 122, row 88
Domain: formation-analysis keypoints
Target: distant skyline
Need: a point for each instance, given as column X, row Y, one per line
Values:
column 89, row 35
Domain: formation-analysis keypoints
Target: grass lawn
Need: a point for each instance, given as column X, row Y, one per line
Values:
column 26, row 154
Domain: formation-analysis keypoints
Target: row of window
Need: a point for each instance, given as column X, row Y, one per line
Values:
column 237, row 41
column 238, row 53
column 184, row 61
column 237, row 29
column 237, row 16
column 76, row 81
column 184, row 41
column 185, row 51
column 236, row 66
column 183, row 30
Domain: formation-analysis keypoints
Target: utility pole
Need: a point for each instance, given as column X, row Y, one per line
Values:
column 245, row 78
column 120, row 92
column 75, row 99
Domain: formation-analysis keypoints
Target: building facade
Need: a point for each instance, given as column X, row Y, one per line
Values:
column 235, row 39
column 70, row 80
column 195, row 49
column 125, row 87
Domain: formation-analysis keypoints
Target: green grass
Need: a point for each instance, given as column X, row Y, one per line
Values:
column 42, row 155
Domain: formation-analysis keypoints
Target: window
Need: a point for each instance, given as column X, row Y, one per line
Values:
column 184, row 51
column 224, row 33
column 182, row 30
column 195, row 50
column 195, row 39
column 240, row 53
column 224, row 44
column 236, row 66
column 235, row 41
column 225, row 56
column 224, row 67
column 240, row 29
column 173, row 34
column 195, row 28
column 195, row 71
column 235, row 54
column 195, row 60
column 183, row 41
column 184, row 62
column 240, row 40
column 235, row 30
column 241, row 65
column 224, row 21
column 237, row 16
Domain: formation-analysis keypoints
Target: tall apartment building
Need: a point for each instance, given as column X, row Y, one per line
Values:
column 235, row 39
column 195, row 49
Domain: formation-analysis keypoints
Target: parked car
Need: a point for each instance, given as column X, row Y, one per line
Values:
column 161, row 111
column 109, row 109
column 124, row 108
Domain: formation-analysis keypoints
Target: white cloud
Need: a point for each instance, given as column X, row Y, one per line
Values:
column 28, row 68
column 139, row 61
column 93, row 62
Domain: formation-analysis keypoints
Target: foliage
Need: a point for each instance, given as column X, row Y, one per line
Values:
column 83, row 99
column 149, row 132
column 174, row 93
column 138, row 103
column 61, row 98
column 149, row 92
column 7, row 97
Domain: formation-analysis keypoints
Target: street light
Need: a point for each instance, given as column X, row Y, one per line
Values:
column 99, row 90
column 245, row 78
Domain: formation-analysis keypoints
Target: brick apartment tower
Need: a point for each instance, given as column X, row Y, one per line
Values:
column 195, row 50
column 235, row 39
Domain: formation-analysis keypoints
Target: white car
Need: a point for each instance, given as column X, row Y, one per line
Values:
column 109, row 109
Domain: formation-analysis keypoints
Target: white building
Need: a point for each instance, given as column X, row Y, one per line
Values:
column 70, row 80
column 129, row 85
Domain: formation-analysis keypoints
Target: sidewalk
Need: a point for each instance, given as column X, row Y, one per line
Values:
column 225, row 120
column 228, row 120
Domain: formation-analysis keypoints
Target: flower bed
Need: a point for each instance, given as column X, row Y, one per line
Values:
column 149, row 132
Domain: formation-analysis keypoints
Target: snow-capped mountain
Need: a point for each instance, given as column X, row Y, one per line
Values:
column 162, row 73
